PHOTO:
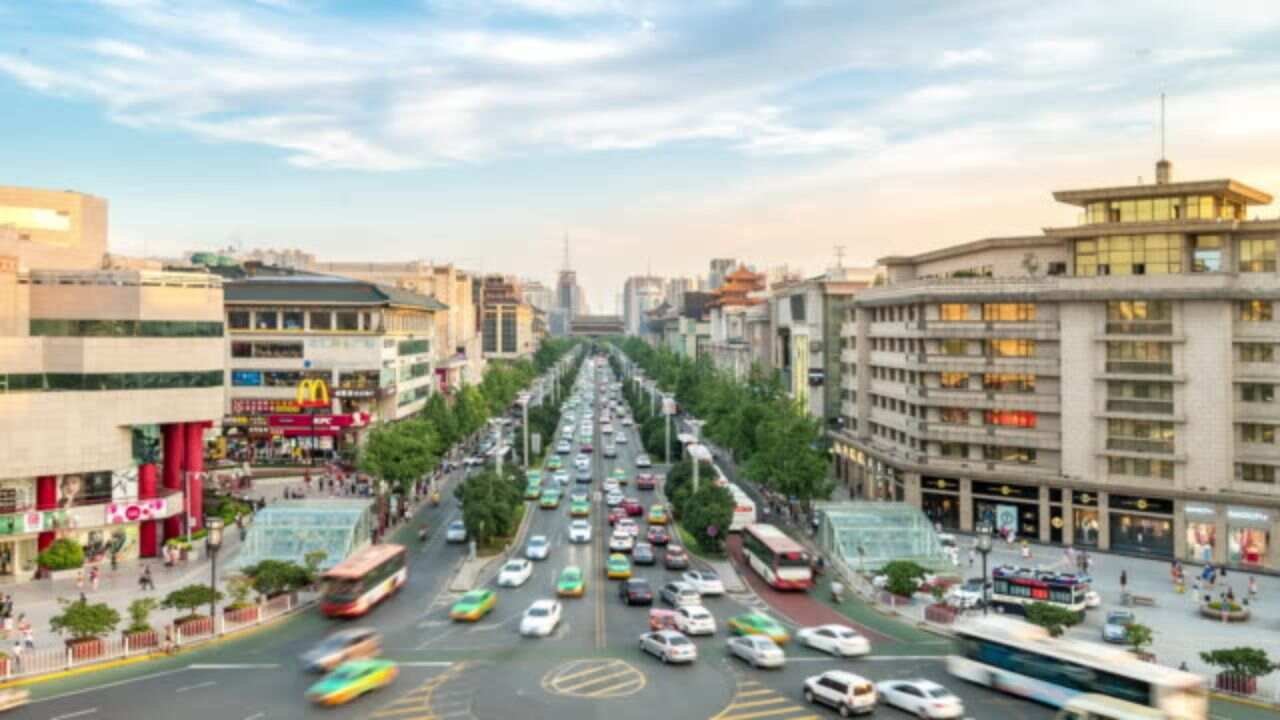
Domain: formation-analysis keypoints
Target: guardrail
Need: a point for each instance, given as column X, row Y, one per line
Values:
column 174, row 637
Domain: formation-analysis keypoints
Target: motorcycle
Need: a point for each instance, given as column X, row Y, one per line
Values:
column 435, row 499
column 422, row 534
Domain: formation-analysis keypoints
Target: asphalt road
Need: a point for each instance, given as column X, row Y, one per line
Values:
column 590, row 668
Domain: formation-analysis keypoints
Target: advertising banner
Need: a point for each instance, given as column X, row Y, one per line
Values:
column 134, row 511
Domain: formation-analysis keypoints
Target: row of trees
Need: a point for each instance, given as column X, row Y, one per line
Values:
column 767, row 433
column 705, row 513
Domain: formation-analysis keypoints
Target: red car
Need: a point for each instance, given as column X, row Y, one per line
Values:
column 586, row 448
column 616, row 514
column 658, row 535
column 646, row 481
column 632, row 506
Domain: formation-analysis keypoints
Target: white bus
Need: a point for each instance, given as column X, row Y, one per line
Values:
column 1024, row 660
column 744, row 509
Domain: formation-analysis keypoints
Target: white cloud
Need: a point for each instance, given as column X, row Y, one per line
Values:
column 523, row 49
column 964, row 58
column 1060, row 54
column 119, row 49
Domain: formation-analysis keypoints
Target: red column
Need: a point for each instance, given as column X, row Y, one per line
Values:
column 194, row 464
column 173, row 457
column 46, row 499
column 148, row 481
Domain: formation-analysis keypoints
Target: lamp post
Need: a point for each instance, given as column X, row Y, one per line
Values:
column 213, row 542
column 984, row 547
column 524, row 406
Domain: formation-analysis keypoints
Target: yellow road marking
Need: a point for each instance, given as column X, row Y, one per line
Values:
column 752, row 693
column 774, row 713
column 756, row 703
column 594, row 678
column 589, row 671
column 621, row 689
column 593, row 681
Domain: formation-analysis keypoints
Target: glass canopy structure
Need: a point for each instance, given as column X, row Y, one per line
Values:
column 291, row 529
column 866, row 535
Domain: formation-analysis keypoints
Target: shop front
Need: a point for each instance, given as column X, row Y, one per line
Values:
column 1086, row 525
column 1141, row 525
column 940, row 500
column 1249, row 536
column 1013, row 511
column 1201, row 532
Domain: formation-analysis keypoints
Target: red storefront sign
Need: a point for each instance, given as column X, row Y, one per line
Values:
column 318, row 422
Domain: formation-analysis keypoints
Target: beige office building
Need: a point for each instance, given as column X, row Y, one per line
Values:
column 98, row 370
column 1109, row 385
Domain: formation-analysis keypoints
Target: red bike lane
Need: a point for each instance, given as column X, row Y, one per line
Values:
column 801, row 608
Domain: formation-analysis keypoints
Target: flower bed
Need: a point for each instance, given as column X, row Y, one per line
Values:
column 1234, row 612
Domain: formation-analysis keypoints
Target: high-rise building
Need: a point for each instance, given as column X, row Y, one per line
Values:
column 1108, row 385
column 675, row 289
column 640, row 294
column 538, row 295
column 109, row 380
column 720, row 267
column 507, row 326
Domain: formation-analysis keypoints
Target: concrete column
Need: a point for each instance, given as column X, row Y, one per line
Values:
column 1104, row 521
column 46, row 499
column 1273, row 547
column 966, row 504
column 174, row 441
column 1220, row 540
column 193, row 463
column 1044, row 514
column 911, row 489
column 1068, row 519
column 1179, row 530
column 148, row 487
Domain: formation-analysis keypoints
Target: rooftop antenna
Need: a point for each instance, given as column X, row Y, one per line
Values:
column 1162, row 155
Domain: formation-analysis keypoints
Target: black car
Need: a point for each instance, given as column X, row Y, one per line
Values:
column 676, row 558
column 636, row 591
column 642, row 554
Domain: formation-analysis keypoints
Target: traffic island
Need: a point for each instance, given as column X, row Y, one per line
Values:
column 1225, row 611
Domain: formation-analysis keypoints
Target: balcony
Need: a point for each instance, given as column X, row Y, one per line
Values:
column 1139, row 327
column 1140, row 407
column 1139, row 367
column 1141, row 445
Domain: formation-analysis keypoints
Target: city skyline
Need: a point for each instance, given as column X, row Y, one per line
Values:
column 273, row 124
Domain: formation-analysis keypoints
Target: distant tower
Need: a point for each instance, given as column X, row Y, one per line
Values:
column 1164, row 168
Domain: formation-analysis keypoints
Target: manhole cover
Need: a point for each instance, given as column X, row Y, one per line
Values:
column 595, row 679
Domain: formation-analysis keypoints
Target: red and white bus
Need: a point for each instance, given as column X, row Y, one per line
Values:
column 355, row 585
column 781, row 561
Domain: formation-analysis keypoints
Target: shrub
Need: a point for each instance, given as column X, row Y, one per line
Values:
column 903, row 577
column 190, row 598
column 276, row 577
column 1053, row 618
column 139, row 614
column 1231, row 607
column 83, row 620
column 1138, row 636
column 62, row 554
column 239, row 587
column 1247, row 661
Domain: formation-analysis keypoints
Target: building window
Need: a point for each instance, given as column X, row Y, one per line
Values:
column 1010, row 454
column 1206, row 253
column 1139, row 317
column 1258, row 393
column 238, row 319
column 1140, row 436
column 1129, row 255
column 1009, row 312
column 954, row 380
column 1258, row 255
column 1255, row 311
column 1009, row 382
column 1250, row 473
column 1145, row 358
column 293, row 320
column 955, row 347
column 1140, row 397
column 490, row 332
column 74, row 382
column 954, row 416
column 1256, row 352
column 1011, row 348
column 347, row 321
column 953, row 312
column 267, row 320
column 1258, row 433
column 509, row 331
column 1010, row 418
column 321, row 320
column 413, row 347
column 953, row 450
column 126, row 328
column 1140, row 467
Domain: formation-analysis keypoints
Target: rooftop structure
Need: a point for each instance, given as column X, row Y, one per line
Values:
column 289, row 530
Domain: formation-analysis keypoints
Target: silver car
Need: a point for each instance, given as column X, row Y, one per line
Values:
column 757, row 650
column 1113, row 631
column 456, row 533
column 669, row 646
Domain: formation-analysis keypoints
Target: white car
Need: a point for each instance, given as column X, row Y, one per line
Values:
column 613, row 498
column 456, row 532
column 564, row 447
column 626, row 421
column 607, row 428
column 611, row 485
column 706, row 582
column 579, row 531
column 610, row 450
column 757, row 650
column 695, row 620
column 620, row 438
column 621, row 541
column 538, row 548
column 838, row 640
column 922, row 698
column 582, row 462
column 629, row 526
column 561, row 476
column 515, row 573
column 845, row 692
column 669, row 646
column 965, row 596
column 643, row 461
column 679, row 594
column 541, row 619
column 472, row 461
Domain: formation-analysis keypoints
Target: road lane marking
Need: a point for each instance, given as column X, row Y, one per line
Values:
column 571, row 689
column 754, row 701
column 78, row 713
column 109, row 685
column 256, row 716
column 774, row 713
column 234, row 666
column 428, row 664
column 197, row 686
column 594, row 679
column 757, row 703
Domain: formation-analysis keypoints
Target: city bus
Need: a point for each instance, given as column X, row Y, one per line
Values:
column 1013, row 588
column 354, row 586
column 1024, row 660
column 774, row 556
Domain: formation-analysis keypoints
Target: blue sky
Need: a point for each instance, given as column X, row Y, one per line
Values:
column 652, row 133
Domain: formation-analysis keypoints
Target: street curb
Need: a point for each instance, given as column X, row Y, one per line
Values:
column 1248, row 702
column 123, row 662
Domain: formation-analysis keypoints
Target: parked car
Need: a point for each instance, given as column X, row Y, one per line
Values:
column 1113, row 630
column 965, row 596
column 758, row 651
column 541, row 618
column 670, row 646
column 845, row 692
column 922, row 698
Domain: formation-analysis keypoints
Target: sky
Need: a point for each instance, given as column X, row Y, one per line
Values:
column 653, row 135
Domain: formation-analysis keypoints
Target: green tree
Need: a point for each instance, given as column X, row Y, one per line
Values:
column 710, row 506
column 1053, row 618
column 902, row 577
column 470, row 410
column 400, row 453
column 140, row 614
column 489, row 505
column 83, row 620
column 191, row 598
column 439, row 415
column 239, row 587
column 276, row 577
column 787, row 460
column 1245, row 661
column 1138, row 637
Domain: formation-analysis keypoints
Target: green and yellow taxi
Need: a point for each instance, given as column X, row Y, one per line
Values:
column 758, row 624
column 554, row 463
column 352, row 679
column 533, row 490
column 571, row 582
column 658, row 515
column 620, row 476
column 579, row 508
column 473, row 606
column 618, row 567
column 550, row 499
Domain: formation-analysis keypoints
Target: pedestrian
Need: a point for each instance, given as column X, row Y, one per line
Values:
column 17, row 654
column 146, row 582
column 972, row 556
column 80, row 579
column 1124, row 580
column 1253, row 587
column 1026, row 550
column 94, row 574
column 83, row 600
column 1231, row 594
column 115, row 561
column 1195, row 587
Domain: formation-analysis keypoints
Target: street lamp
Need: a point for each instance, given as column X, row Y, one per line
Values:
column 524, row 406
column 213, row 543
column 984, row 547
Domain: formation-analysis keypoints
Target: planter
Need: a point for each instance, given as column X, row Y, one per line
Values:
column 4, row 666
column 1144, row 655
column 1235, row 613
column 195, row 626
column 940, row 613
column 241, row 614
column 1236, row 683
column 71, row 574
column 142, row 639
column 86, row 649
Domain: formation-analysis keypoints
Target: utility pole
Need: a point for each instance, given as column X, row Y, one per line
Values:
column 664, row 412
column 524, row 405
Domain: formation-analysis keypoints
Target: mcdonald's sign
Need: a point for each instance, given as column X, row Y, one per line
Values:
column 312, row 393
